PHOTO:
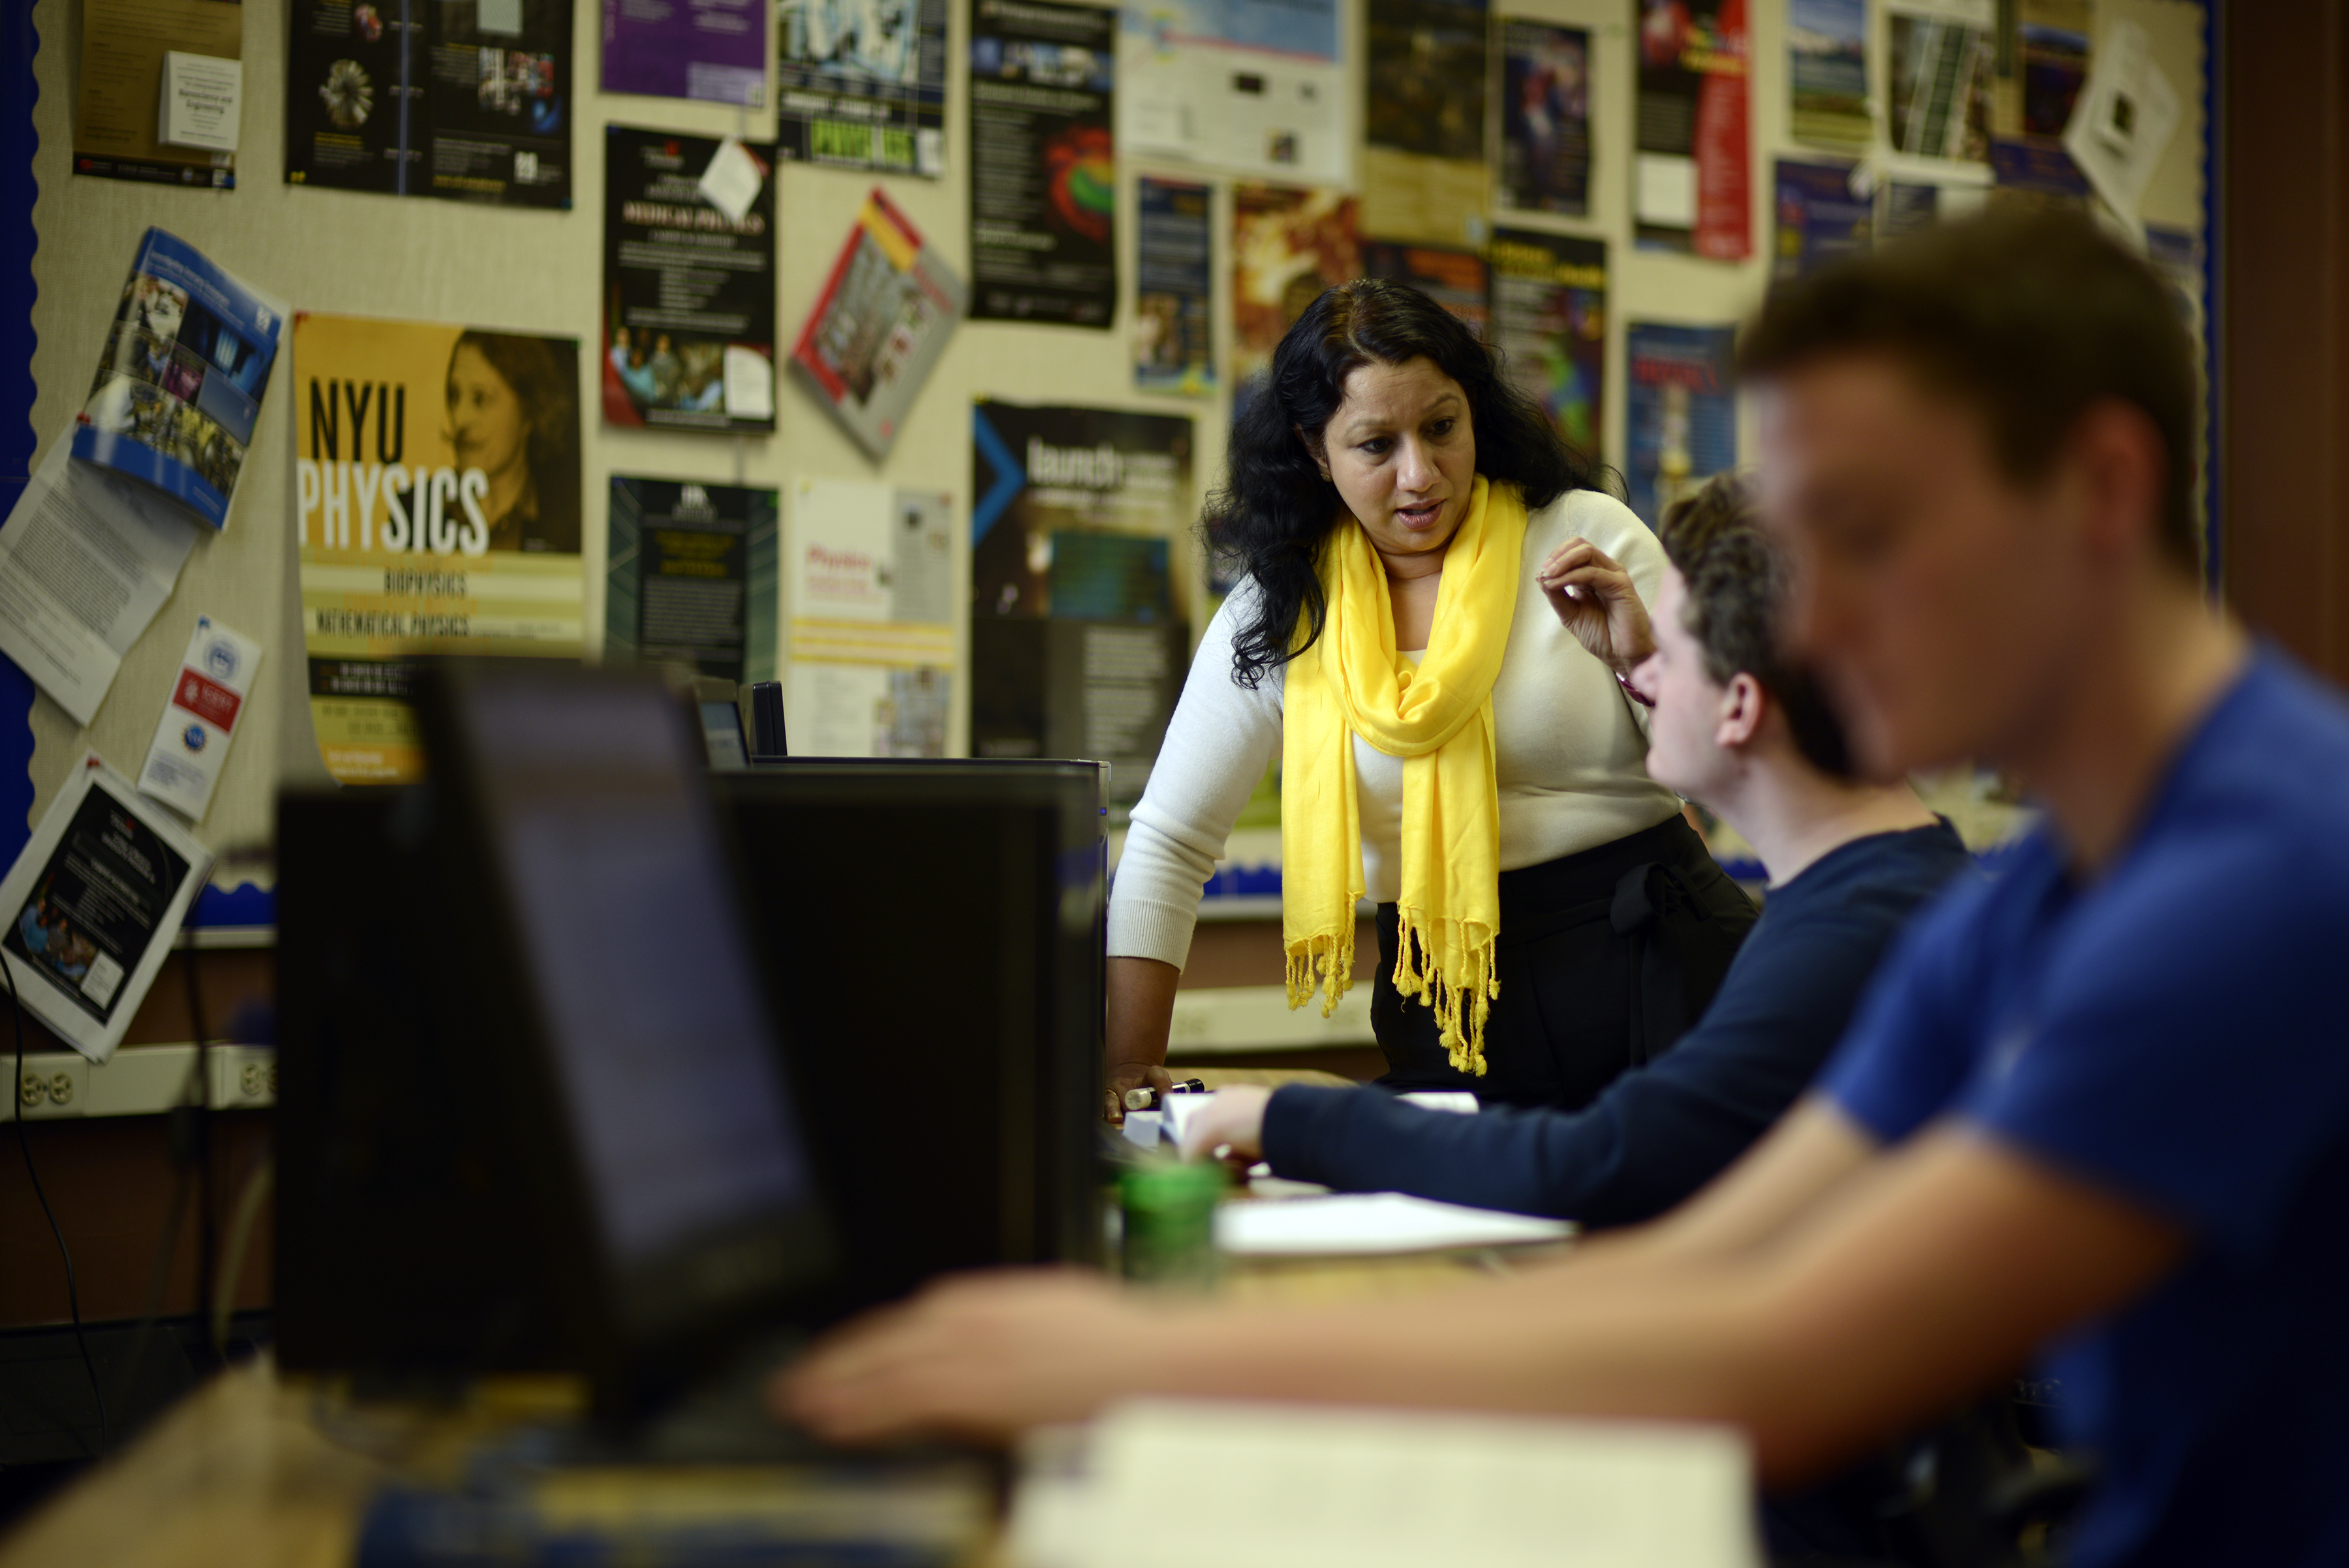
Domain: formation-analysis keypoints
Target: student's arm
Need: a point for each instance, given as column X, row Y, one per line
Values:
column 1915, row 1277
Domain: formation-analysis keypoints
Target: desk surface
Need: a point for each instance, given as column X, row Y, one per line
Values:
column 250, row 1473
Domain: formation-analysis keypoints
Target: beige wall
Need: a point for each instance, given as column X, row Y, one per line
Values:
column 366, row 255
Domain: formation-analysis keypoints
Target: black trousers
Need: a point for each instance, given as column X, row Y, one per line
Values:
column 1606, row 959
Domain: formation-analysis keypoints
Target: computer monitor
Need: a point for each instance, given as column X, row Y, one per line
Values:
column 932, row 936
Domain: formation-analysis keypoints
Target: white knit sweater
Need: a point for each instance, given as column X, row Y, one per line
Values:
column 1570, row 754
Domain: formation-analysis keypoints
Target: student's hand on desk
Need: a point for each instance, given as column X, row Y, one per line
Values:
column 984, row 1356
column 1124, row 1075
column 1235, row 1118
column 1593, row 597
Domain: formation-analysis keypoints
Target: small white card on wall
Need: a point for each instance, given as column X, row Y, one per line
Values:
column 201, row 94
column 190, row 745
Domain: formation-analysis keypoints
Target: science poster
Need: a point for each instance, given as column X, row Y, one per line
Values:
column 1942, row 53
column 1690, row 186
column 1545, row 118
column 437, row 511
column 1456, row 280
column 1043, row 172
column 689, row 287
column 117, row 131
column 1079, row 627
column 862, row 84
column 1827, row 54
column 871, row 587
column 713, row 50
column 1550, row 318
column 1243, row 86
column 1173, row 288
column 692, row 578
column 1820, row 218
column 471, row 103
column 1287, row 246
column 1423, row 171
column 1681, row 412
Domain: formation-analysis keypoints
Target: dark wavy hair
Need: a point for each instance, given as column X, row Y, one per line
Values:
column 1276, row 512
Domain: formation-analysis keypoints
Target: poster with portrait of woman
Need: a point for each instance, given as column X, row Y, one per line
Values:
column 437, row 509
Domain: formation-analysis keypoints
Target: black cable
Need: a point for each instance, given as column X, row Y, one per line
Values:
column 25, row 1147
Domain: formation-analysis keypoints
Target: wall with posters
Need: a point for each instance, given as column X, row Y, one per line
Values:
column 541, row 272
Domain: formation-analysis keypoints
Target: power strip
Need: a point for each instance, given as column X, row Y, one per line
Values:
column 139, row 1080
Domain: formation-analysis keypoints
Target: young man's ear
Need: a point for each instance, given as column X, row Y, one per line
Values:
column 1313, row 449
column 1743, row 705
column 2121, row 464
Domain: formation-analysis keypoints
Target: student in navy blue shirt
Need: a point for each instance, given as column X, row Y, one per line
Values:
column 1740, row 730
column 2093, row 1116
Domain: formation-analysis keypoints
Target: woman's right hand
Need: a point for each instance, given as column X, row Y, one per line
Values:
column 1124, row 1075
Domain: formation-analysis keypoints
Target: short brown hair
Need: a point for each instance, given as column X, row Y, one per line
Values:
column 2030, row 314
column 1737, row 581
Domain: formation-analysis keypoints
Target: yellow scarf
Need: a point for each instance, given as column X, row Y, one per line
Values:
column 1437, row 717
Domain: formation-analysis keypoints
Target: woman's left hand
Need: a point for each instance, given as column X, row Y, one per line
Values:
column 1593, row 597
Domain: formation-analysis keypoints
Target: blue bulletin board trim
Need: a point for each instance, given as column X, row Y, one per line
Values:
column 18, row 143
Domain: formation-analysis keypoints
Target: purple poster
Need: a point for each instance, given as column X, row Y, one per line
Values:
column 712, row 49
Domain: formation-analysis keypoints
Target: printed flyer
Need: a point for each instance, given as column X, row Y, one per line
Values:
column 880, row 324
column 871, row 589
column 1044, row 174
column 1423, row 171
column 1456, row 280
column 714, row 51
column 690, row 577
column 116, row 133
column 431, row 97
column 1681, row 409
column 1550, row 318
column 1942, row 56
column 1236, row 85
column 179, row 383
column 1545, row 118
column 862, row 84
column 1287, row 247
column 1692, row 190
column 1173, row 290
column 1827, row 51
column 437, row 511
column 688, row 289
column 1820, row 217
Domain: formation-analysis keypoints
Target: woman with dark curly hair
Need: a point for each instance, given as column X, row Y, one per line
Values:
column 1437, row 611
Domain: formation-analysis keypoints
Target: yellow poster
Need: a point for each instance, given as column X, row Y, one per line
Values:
column 437, row 492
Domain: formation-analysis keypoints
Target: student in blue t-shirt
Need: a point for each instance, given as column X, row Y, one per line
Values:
column 1740, row 730
column 2095, row 1112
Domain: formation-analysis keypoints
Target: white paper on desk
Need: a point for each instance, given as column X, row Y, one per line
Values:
column 1359, row 1224
column 86, row 560
column 1170, row 1484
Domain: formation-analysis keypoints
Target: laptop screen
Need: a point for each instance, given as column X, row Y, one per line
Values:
column 630, row 928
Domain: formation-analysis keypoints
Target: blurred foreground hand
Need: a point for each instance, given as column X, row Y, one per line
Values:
column 1233, row 1120
column 984, row 1356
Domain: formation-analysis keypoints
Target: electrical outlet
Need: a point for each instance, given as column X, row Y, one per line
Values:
column 244, row 1077
column 56, row 1084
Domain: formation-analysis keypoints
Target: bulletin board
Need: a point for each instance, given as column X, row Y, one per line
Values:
column 540, row 272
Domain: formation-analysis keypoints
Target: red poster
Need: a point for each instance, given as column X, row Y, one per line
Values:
column 1724, row 186
column 1691, row 180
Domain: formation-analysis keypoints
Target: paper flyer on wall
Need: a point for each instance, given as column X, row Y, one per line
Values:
column 1549, row 321
column 1044, row 170
column 1288, row 245
column 437, row 511
column 1943, row 55
column 692, row 577
column 431, row 97
column 871, row 589
column 1545, row 118
column 2031, row 103
column 713, row 50
column 179, row 383
column 689, row 285
column 1826, row 58
column 93, row 904
column 1679, row 410
column 879, row 327
column 1690, row 182
column 1820, row 218
column 86, row 561
column 1423, row 171
column 117, row 133
column 2124, row 118
column 1174, row 287
column 862, row 84
column 1079, row 626
column 1235, row 85
column 1456, row 280
column 200, row 717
